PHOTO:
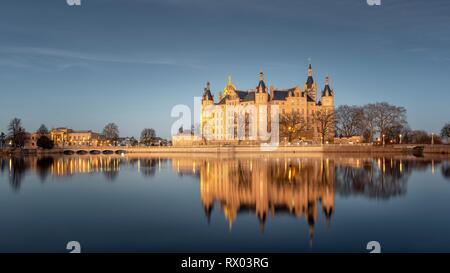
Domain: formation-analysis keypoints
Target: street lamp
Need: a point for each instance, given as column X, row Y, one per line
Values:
column 432, row 138
column 400, row 137
column 384, row 139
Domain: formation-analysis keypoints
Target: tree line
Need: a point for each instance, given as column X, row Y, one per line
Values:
column 16, row 136
column 379, row 121
column 384, row 120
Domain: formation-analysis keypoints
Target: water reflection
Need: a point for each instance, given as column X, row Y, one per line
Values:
column 303, row 187
column 16, row 167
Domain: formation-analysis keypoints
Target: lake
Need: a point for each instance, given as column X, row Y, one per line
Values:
column 225, row 203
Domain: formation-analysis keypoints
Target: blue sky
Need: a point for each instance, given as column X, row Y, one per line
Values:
column 131, row 61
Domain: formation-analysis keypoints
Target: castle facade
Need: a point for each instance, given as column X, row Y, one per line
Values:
column 250, row 116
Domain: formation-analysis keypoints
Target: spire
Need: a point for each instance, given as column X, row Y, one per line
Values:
column 327, row 91
column 309, row 84
column 261, row 88
column 207, row 92
column 230, row 86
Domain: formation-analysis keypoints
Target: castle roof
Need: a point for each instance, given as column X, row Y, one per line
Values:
column 327, row 91
column 282, row 94
column 309, row 81
column 243, row 96
column 261, row 85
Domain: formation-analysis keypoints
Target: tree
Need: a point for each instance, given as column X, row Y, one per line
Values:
column 147, row 136
column 389, row 117
column 445, row 131
column 387, row 120
column 44, row 142
column 349, row 120
column 369, row 123
column 422, row 137
column 133, row 141
column 325, row 121
column 42, row 130
column 16, row 133
column 292, row 125
column 111, row 132
column 2, row 139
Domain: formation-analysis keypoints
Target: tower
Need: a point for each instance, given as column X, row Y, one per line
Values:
column 207, row 97
column 261, row 95
column 327, row 105
column 262, row 107
column 327, row 97
column 310, row 86
column 207, row 103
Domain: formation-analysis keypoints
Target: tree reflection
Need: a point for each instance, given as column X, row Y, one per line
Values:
column 378, row 178
column 44, row 165
column 445, row 170
column 18, row 168
column 149, row 166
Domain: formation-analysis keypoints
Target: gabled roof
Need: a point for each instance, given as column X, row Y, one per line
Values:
column 261, row 85
column 207, row 94
column 250, row 96
column 241, row 94
column 282, row 94
column 327, row 91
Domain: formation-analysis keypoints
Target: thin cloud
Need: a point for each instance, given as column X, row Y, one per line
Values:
column 68, row 54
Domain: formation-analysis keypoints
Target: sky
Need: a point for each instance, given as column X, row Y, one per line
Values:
column 131, row 61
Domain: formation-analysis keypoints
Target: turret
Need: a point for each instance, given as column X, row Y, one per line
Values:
column 261, row 88
column 207, row 96
column 327, row 95
column 261, row 95
column 310, row 86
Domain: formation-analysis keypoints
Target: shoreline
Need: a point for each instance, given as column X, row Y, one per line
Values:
column 329, row 148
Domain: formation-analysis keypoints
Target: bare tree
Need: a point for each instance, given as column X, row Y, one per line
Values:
column 369, row 122
column 292, row 125
column 325, row 121
column 445, row 131
column 111, row 131
column 349, row 120
column 147, row 136
column 388, row 117
column 2, row 139
column 16, row 133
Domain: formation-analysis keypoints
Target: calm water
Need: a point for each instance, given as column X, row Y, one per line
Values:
column 305, row 203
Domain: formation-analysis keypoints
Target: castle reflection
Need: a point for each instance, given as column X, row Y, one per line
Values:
column 301, row 186
column 266, row 185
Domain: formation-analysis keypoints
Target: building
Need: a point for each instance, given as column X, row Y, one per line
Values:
column 68, row 137
column 245, row 116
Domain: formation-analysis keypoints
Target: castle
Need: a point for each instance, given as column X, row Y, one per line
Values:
column 245, row 116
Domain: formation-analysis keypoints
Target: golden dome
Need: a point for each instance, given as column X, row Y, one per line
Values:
column 230, row 87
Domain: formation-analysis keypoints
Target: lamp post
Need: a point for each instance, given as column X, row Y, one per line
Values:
column 384, row 140
column 432, row 138
column 400, row 137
